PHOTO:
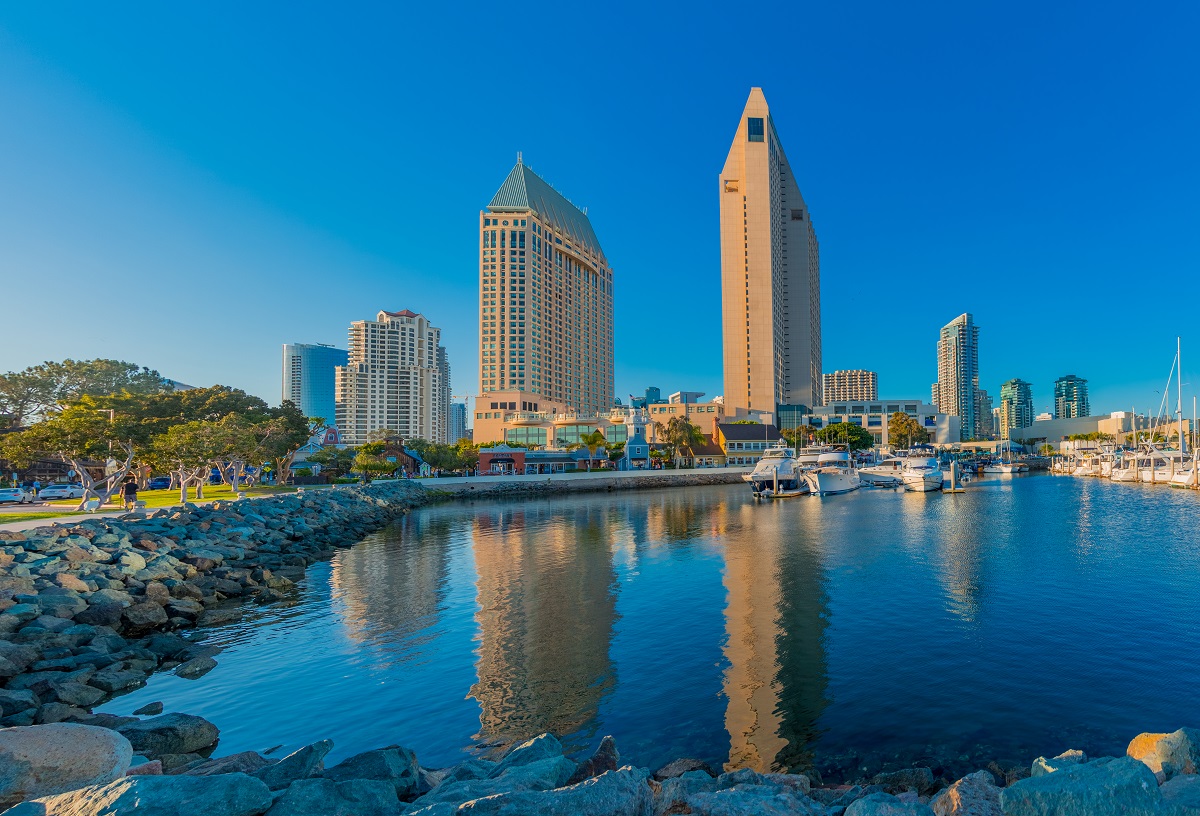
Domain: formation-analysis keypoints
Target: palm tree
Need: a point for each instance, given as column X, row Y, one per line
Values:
column 592, row 441
column 681, row 435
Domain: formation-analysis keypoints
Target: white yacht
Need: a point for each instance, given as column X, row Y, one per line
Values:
column 834, row 473
column 888, row 473
column 1188, row 476
column 922, row 472
column 778, row 474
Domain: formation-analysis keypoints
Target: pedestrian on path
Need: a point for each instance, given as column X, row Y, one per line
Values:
column 129, row 493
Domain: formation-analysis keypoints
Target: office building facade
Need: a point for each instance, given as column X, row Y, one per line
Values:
column 396, row 379
column 309, row 371
column 770, row 273
column 545, row 308
column 957, row 384
column 457, row 422
column 1071, row 397
column 851, row 384
column 983, row 415
column 1016, row 406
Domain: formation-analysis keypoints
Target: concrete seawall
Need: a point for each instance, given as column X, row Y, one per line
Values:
column 546, row 484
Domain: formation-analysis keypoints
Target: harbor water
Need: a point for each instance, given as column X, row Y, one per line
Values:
column 1025, row 616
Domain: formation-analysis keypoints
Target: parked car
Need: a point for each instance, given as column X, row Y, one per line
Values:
column 16, row 495
column 159, row 483
column 62, row 490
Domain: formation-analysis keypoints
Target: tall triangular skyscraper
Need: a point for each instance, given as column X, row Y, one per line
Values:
column 770, row 273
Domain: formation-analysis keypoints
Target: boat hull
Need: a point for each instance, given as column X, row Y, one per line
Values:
column 832, row 481
column 923, row 482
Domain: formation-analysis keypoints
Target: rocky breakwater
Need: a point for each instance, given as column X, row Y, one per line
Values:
column 86, row 771
column 89, row 609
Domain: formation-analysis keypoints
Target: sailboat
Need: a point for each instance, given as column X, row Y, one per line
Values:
column 1005, row 464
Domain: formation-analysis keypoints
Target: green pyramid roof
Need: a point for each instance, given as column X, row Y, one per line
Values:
column 526, row 190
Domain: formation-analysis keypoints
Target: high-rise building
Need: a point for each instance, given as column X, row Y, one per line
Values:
column 958, row 373
column 396, row 379
column 545, row 307
column 1071, row 397
column 308, row 377
column 770, row 273
column 852, row 384
column 983, row 414
column 457, row 422
column 1016, row 406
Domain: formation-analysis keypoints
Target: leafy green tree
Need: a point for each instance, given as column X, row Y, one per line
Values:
column 904, row 431
column 337, row 461
column 370, row 462
column 593, row 441
column 43, row 390
column 188, row 451
column 846, row 433
column 681, row 438
column 467, row 452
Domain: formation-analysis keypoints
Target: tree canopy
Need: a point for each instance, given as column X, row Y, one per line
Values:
column 846, row 433
column 42, row 390
column 904, row 431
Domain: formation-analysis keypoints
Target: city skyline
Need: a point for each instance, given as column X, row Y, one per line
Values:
column 272, row 173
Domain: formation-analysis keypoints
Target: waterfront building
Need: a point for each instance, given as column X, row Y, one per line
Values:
column 983, row 415
column 770, row 273
column 545, row 308
column 308, row 377
column 396, row 378
column 873, row 415
column 850, row 384
column 457, row 422
column 547, row 429
column 1016, row 406
column 1071, row 397
column 954, row 392
column 744, row 444
column 1055, row 431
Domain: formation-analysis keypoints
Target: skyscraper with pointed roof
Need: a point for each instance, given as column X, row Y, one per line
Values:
column 770, row 273
column 545, row 310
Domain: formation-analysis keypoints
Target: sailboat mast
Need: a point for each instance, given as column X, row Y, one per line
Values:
column 1179, row 395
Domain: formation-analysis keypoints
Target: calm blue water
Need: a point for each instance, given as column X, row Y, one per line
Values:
column 1028, row 615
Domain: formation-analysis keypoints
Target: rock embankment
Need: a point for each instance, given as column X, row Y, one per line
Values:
column 1157, row 776
column 88, row 610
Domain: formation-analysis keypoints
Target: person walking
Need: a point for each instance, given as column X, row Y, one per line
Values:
column 129, row 493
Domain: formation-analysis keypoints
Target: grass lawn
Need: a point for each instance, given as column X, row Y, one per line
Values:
column 7, row 517
column 170, row 498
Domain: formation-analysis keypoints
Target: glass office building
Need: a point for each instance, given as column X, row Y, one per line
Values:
column 308, row 377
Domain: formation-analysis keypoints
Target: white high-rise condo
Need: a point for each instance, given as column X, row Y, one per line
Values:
column 545, row 309
column 955, row 391
column 397, row 379
column 770, row 273
column 852, row 384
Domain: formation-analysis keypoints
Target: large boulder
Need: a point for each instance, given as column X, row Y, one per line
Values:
column 541, row 747
column 615, row 793
column 170, row 734
column 884, row 804
column 1098, row 788
column 41, row 760
column 393, row 764
column 606, row 758
column 301, row 764
column 324, row 797
column 1168, row 754
column 1042, row 766
column 974, row 795
column 227, row 795
column 753, row 800
column 679, row 767
column 246, row 762
column 906, row 779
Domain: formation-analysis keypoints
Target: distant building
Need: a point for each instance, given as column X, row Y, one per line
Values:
column 457, row 422
column 744, row 444
column 309, row 371
column 850, row 384
column 1071, row 397
column 770, row 273
column 1115, row 426
column 1042, row 417
column 395, row 379
column 983, row 415
column 685, row 396
column 958, row 373
column 1016, row 406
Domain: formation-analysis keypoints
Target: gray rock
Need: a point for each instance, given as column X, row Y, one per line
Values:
column 111, row 681
column 149, row 710
column 674, row 793
column 541, row 747
column 41, row 760
column 679, row 767
column 606, row 758
column 884, row 804
column 301, row 764
column 145, row 615
column 196, row 667
column 914, row 779
column 544, row 774
column 77, row 694
column 227, row 795
column 246, row 762
column 101, row 614
column 1169, row 754
column 1121, row 786
column 392, row 764
column 1042, row 766
column 974, row 795
column 14, row 701
column 1181, row 792
column 170, row 734
column 754, row 800
column 324, row 797
column 622, row 792
column 58, row 712
column 471, row 769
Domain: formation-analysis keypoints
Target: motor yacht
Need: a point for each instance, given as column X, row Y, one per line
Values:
column 778, row 474
column 888, row 473
column 834, row 473
column 922, row 472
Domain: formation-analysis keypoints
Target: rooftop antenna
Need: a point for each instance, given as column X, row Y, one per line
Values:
column 518, row 157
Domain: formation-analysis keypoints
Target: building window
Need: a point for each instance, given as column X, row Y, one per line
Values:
column 754, row 129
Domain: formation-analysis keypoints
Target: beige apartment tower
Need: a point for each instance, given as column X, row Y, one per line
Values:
column 850, row 384
column 770, row 273
column 545, row 310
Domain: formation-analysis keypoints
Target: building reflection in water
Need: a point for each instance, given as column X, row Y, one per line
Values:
column 958, row 547
column 547, row 605
column 775, row 621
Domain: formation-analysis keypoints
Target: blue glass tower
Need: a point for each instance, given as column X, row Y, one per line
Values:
column 308, row 377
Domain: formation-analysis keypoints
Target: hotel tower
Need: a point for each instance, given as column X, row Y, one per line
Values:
column 770, row 273
column 545, row 309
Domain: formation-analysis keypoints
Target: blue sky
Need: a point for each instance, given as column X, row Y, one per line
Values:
column 190, row 186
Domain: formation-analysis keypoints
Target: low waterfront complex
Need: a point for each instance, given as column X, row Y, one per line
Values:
column 397, row 378
column 770, row 273
column 545, row 308
column 852, row 384
column 308, row 377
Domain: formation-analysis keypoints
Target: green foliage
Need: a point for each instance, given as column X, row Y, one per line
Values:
column 681, row 437
column 43, row 390
column 846, row 433
column 904, row 431
column 745, row 422
column 369, row 460
column 337, row 461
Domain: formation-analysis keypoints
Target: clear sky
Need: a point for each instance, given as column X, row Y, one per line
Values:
column 189, row 186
